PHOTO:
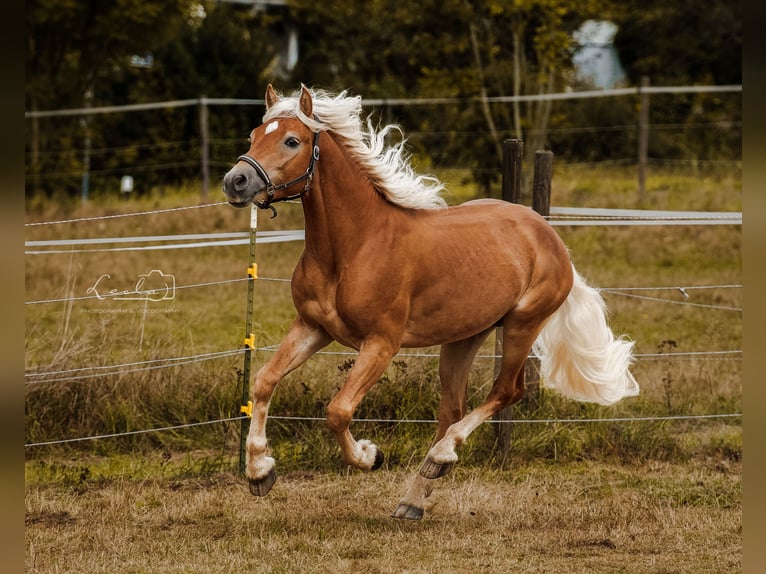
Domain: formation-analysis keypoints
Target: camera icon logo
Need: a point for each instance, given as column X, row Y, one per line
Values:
column 156, row 286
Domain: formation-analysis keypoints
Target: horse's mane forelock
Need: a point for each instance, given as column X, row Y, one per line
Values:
column 387, row 167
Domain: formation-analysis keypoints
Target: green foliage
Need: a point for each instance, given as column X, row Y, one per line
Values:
column 71, row 45
column 681, row 42
column 223, row 54
column 78, row 53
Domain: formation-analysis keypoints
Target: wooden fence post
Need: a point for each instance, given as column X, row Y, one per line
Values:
column 205, row 146
column 541, row 203
column 643, row 137
column 541, row 184
column 513, row 151
column 85, row 122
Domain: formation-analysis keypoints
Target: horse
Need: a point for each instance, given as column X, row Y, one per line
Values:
column 388, row 265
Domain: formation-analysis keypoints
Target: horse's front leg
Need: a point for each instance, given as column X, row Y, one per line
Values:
column 301, row 341
column 374, row 356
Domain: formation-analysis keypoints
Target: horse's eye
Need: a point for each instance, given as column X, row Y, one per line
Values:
column 292, row 142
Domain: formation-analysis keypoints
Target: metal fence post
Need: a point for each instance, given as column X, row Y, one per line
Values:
column 247, row 404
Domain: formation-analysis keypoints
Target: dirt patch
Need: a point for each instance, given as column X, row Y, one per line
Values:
column 49, row 519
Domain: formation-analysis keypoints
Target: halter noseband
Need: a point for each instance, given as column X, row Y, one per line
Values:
column 271, row 188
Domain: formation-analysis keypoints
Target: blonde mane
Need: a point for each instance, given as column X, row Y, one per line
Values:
column 387, row 167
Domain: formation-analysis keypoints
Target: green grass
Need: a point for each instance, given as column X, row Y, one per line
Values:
column 207, row 319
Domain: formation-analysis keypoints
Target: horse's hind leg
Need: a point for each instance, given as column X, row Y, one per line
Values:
column 508, row 388
column 454, row 367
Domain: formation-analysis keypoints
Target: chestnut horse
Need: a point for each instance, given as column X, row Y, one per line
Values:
column 387, row 265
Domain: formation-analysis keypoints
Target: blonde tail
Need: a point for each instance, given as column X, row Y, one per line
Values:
column 580, row 356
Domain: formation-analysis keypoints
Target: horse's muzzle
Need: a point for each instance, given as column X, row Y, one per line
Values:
column 242, row 184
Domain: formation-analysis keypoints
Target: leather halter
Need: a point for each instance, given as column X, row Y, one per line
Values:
column 271, row 188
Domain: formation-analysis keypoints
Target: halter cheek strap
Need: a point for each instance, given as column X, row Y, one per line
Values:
column 271, row 188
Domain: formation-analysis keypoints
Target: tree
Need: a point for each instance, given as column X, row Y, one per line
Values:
column 448, row 48
column 681, row 42
column 467, row 50
column 70, row 44
column 79, row 52
column 73, row 49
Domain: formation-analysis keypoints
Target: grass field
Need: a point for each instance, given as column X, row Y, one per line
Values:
column 541, row 518
column 646, row 496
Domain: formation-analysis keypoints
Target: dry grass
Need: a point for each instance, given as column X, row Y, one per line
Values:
column 663, row 497
column 576, row 518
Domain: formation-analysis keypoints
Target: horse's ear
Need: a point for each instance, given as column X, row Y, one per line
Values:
column 306, row 103
column 271, row 97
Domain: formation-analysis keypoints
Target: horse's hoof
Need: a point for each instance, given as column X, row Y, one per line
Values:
column 407, row 512
column 262, row 486
column 379, row 458
column 432, row 469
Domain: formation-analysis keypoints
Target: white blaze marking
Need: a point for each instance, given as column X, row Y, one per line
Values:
column 271, row 127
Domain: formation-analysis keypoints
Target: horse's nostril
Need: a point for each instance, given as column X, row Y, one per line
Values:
column 240, row 182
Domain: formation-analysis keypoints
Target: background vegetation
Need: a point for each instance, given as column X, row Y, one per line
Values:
column 80, row 53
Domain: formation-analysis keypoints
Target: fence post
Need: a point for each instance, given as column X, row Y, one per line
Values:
column 513, row 151
column 85, row 125
column 643, row 137
column 35, row 150
column 247, row 405
column 541, row 203
column 204, row 145
column 541, row 184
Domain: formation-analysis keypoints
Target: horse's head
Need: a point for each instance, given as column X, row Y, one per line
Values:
column 275, row 167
